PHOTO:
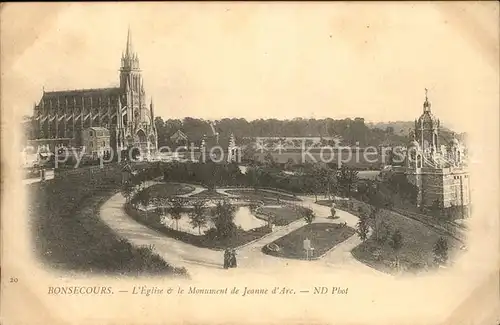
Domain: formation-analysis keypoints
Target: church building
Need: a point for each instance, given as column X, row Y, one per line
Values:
column 60, row 117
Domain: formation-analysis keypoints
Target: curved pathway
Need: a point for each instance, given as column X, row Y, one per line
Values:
column 202, row 260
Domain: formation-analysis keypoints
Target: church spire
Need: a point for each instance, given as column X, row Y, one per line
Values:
column 129, row 50
column 152, row 112
column 130, row 59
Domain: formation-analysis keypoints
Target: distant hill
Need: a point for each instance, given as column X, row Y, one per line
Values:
column 399, row 127
column 404, row 128
column 349, row 131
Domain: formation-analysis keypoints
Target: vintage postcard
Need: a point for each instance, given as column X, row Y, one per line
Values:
column 250, row 163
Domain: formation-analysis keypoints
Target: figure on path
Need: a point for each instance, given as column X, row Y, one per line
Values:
column 227, row 257
column 233, row 258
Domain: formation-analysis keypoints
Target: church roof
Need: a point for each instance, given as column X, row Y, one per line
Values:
column 427, row 117
column 94, row 92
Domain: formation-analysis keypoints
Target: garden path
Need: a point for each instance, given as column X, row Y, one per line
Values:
column 204, row 261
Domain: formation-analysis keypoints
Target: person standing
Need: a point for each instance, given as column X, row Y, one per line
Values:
column 233, row 258
column 227, row 256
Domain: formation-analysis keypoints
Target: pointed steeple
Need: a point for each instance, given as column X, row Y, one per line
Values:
column 130, row 59
column 129, row 50
column 119, row 120
column 152, row 112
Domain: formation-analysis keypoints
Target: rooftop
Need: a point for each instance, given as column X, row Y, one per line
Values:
column 82, row 92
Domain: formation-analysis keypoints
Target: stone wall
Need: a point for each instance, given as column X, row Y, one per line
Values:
column 449, row 187
column 432, row 188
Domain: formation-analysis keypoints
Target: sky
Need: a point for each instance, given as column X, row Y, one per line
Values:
column 264, row 60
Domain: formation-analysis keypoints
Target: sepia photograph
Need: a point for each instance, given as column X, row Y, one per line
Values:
column 178, row 163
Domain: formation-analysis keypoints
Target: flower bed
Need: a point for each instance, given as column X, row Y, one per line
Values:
column 163, row 190
column 323, row 236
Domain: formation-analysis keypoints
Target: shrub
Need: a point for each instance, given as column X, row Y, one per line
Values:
column 441, row 251
column 223, row 217
column 362, row 227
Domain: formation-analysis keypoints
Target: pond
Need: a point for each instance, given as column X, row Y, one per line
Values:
column 243, row 218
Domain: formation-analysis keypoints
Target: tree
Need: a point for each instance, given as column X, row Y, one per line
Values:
column 322, row 179
column 289, row 164
column 269, row 160
column 248, row 152
column 374, row 216
column 161, row 204
column 307, row 214
column 383, row 232
column 145, row 201
column 441, row 251
column 135, row 181
column 198, row 214
column 396, row 244
column 127, row 190
column 223, row 218
column 317, row 180
column 331, row 181
column 362, row 227
column 176, row 205
column 346, row 178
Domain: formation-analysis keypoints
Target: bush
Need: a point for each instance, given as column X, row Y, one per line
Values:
column 441, row 251
column 307, row 214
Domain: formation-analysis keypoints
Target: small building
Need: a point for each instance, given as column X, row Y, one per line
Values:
column 96, row 141
column 233, row 151
column 179, row 138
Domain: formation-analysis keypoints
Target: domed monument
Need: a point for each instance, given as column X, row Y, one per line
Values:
column 438, row 171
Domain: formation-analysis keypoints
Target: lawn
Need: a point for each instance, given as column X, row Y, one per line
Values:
column 282, row 216
column 165, row 190
column 69, row 235
column 259, row 195
column 323, row 236
column 418, row 242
